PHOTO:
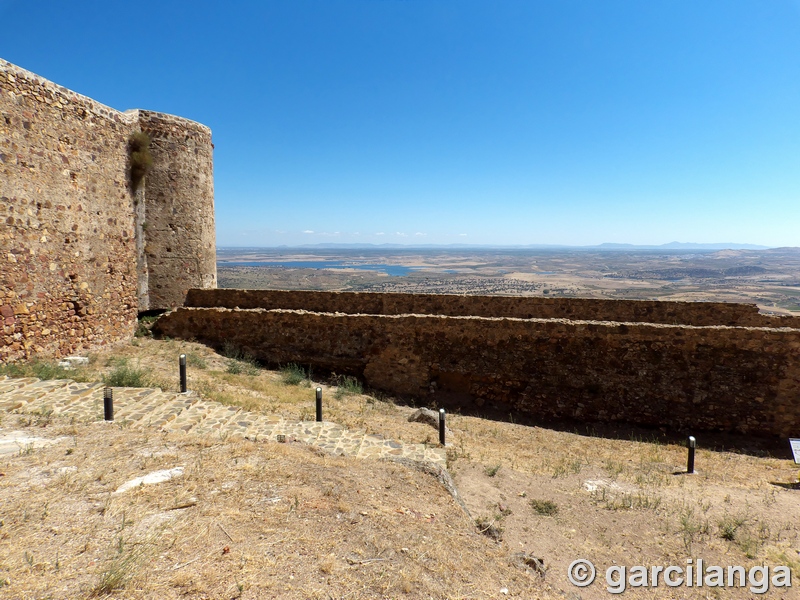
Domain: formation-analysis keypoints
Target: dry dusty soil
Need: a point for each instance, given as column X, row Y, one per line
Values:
column 271, row 520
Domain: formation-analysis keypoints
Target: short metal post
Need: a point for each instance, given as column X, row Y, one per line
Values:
column 441, row 426
column 692, row 444
column 319, row 405
column 108, row 404
column 182, row 363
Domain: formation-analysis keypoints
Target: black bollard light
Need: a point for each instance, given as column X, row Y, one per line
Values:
column 108, row 404
column 182, row 363
column 441, row 426
column 319, row 405
column 692, row 444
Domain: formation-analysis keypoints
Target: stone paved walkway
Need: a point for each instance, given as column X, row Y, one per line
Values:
column 188, row 413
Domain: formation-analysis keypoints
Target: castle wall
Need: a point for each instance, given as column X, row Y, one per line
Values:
column 67, row 280
column 689, row 378
column 640, row 311
column 71, row 277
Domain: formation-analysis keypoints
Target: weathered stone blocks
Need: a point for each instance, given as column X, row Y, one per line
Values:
column 621, row 311
column 688, row 377
column 68, row 230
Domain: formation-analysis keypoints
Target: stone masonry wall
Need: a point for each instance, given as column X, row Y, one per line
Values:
column 67, row 280
column 741, row 379
column 640, row 311
column 68, row 219
column 178, row 225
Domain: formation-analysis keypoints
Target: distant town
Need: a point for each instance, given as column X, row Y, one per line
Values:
column 769, row 278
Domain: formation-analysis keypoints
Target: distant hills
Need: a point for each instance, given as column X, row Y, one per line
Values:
column 680, row 246
column 605, row 246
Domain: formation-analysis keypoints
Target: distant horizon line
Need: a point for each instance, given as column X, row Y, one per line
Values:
column 603, row 246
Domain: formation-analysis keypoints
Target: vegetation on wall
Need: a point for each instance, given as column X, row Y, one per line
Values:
column 140, row 158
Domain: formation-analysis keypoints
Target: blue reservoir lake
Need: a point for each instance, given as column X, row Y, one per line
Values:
column 393, row 270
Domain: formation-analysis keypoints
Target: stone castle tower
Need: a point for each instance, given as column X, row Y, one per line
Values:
column 175, row 212
column 81, row 252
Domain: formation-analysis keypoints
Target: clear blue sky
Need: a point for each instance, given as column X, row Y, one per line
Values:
column 428, row 121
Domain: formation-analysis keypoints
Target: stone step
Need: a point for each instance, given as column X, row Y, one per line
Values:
column 215, row 420
column 135, row 403
column 56, row 401
column 263, row 428
column 435, row 455
column 31, row 391
column 349, row 442
column 188, row 413
column 244, row 422
column 77, row 394
column 376, row 446
column 166, row 406
column 11, row 384
column 190, row 417
column 87, row 407
column 302, row 431
column 330, row 436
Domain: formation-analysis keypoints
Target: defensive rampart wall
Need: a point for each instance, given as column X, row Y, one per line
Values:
column 738, row 379
column 639, row 311
column 75, row 241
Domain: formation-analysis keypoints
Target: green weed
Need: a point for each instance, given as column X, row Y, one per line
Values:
column 348, row 386
column 196, row 361
column 124, row 375
column 293, row 374
column 121, row 569
column 242, row 367
column 545, row 508
column 729, row 525
column 140, row 158
column 492, row 471
column 41, row 369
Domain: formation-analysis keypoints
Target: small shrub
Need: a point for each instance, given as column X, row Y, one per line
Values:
column 492, row 471
column 748, row 543
column 140, row 157
column 196, row 361
column 123, row 375
column 234, row 367
column 293, row 374
column 690, row 527
column 121, row 569
column 241, row 363
column 251, row 368
column 545, row 508
column 489, row 528
column 145, row 325
column 729, row 525
column 348, row 386
column 566, row 467
column 41, row 369
column 231, row 350
column 242, row 367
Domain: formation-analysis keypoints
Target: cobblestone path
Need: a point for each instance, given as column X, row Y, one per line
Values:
column 188, row 413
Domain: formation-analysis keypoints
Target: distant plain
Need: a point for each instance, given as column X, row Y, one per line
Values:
column 769, row 278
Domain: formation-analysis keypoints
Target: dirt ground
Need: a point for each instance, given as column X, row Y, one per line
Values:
column 245, row 520
column 299, row 524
